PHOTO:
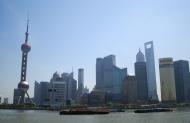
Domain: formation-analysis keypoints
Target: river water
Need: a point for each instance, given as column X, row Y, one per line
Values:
column 16, row 116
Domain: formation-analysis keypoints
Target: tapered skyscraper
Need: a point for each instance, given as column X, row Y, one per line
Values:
column 23, row 86
column 141, row 77
column 151, row 74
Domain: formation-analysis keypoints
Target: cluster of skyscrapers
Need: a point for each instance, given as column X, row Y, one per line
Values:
column 122, row 87
column 174, row 80
column 61, row 90
column 142, row 87
column 145, row 75
column 113, row 84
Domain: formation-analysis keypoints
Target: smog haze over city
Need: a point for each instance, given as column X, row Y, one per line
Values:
column 71, row 34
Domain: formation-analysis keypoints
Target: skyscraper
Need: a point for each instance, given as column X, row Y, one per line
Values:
column 58, row 90
column 182, row 81
column 62, row 89
column 141, row 77
column 80, row 82
column 58, row 93
column 140, row 56
column 167, row 79
column 71, row 86
column 41, row 93
column 37, row 92
column 23, row 86
column 151, row 74
column 99, row 73
column 109, row 77
column 130, row 90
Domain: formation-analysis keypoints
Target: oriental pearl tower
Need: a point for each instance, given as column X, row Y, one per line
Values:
column 23, row 85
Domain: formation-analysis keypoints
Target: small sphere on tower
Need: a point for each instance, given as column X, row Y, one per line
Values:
column 25, row 47
column 23, row 86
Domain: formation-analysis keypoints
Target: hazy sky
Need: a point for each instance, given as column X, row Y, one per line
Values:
column 73, row 33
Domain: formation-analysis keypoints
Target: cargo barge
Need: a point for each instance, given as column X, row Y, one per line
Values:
column 84, row 111
column 154, row 110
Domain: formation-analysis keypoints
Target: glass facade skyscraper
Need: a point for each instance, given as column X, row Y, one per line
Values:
column 151, row 74
column 109, row 77
column 141, row 77
column 41, row 93
column 80, row 82
column 182, row 80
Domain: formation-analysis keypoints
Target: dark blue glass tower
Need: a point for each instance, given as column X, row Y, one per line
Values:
column 141, row 77
column 182, row 81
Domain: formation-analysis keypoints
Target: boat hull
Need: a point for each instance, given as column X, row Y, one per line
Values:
column 80, row 112
column 153, row 110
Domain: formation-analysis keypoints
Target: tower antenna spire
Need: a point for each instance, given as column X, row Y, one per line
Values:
column 26, row 40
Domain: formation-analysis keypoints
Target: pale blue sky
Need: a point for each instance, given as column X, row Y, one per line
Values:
column 73, row 33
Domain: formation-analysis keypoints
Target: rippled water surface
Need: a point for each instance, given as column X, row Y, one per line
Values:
column 15, row 116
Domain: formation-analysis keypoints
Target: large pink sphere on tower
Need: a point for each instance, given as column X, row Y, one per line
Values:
column 25, row 47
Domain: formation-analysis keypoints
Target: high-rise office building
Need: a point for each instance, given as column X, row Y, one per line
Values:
column 130, row 90
column 182, row 81
column 68, row 88
column 58, row 93
column 109, row 77
column 167, row 80
column 151, row 74
column 71, row 86
column 104, row 67
column 41, row 93
column 44, row 93
column 141, row 77
column 23, row 86
column 80, row 82
column 99, row 73
column 37, row 93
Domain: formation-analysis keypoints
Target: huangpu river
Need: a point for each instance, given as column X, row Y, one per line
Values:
column 34, row 116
